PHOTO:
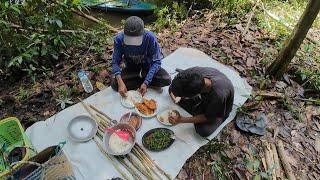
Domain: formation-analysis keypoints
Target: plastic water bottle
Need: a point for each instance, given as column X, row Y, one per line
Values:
column 85, row 81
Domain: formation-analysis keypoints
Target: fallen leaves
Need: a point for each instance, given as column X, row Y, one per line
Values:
column 317, row 144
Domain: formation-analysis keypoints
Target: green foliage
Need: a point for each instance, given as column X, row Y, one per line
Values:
column 170, row 16
column 63, row 96
column 31, row 36
column 23, row 94
column 287, row 104
column 253, row 163
column 232, row 6
column 218, row 170
column 311, row 78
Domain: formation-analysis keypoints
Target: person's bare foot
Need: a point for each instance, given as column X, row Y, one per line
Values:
column 158, row 89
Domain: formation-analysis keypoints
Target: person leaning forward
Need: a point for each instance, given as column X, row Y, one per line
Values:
column 205, row 93
column 141, row 53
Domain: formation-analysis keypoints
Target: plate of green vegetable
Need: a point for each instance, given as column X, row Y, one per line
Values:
column 158, row 139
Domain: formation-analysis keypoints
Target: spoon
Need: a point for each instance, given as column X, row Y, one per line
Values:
column 129, row 117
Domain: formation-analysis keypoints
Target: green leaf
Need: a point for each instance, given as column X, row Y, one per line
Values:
column 256, row 164
column 19, row 59
column 59, row 23
column 264, row 175
column 55, row 56
column 257, row 177
column 16, row 9
column 44, row 52
column 55, row 41
column 32, row 67
column 258, row 98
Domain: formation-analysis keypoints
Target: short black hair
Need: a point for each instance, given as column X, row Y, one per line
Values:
column 187, row 84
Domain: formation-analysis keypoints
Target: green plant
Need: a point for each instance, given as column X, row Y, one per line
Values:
column 23, row 94
column 287, row 104
column 218, row 170
column 170, row 16
column 32, row 37
column 252, row 163
column 63, row 97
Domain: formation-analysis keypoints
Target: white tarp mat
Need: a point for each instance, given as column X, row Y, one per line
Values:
column 87, row 160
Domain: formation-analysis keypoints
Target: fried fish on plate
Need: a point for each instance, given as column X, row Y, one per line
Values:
column 144, row 109
column 151, row 104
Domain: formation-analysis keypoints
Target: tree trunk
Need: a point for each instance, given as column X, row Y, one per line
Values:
column 279, row 66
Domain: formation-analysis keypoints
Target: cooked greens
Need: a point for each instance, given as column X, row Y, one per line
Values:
column 158, row 140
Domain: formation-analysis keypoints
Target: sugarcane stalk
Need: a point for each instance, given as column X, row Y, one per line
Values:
column 111, row 160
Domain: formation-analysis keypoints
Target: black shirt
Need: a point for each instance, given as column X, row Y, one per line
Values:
column 218, row 102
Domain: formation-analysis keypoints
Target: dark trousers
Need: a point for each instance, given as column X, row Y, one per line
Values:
column 195, row 108
column 133, row 80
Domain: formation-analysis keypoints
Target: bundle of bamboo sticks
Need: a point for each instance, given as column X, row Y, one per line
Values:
column 136, row 163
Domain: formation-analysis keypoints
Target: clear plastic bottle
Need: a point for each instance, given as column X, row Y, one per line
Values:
column 85, row 81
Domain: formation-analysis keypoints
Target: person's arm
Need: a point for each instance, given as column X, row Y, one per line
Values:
column 116, row 60
column 195, row 119
column 116, row 57
column 155, row 54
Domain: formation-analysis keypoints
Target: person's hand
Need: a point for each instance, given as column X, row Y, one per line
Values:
column 143, row 89
column 175, row 119
column 174, row 98
column 122, row 89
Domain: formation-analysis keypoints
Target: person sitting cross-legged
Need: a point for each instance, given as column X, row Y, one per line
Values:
column 205, row 93
column 141, row 53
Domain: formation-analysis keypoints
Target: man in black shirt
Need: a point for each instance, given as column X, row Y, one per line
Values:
column 205, row 93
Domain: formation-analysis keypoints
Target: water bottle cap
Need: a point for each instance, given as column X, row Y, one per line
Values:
column 81, row 73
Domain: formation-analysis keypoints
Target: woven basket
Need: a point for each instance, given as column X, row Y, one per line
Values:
column 49, row 164
column 12, row 135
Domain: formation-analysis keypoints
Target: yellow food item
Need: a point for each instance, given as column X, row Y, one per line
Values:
column 151, row 104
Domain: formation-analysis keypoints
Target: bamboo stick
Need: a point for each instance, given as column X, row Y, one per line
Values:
column 269, row 159
column 276, row 161
column 104, row 120
column 130, row 169
column 285, row 162
column 147, row 163
column 100, row 112
column 113, row 163
column 139, row 167
column 87, row 108
column 127, row 166
column 143, row 162
column 139, row 152
column 150, row 159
